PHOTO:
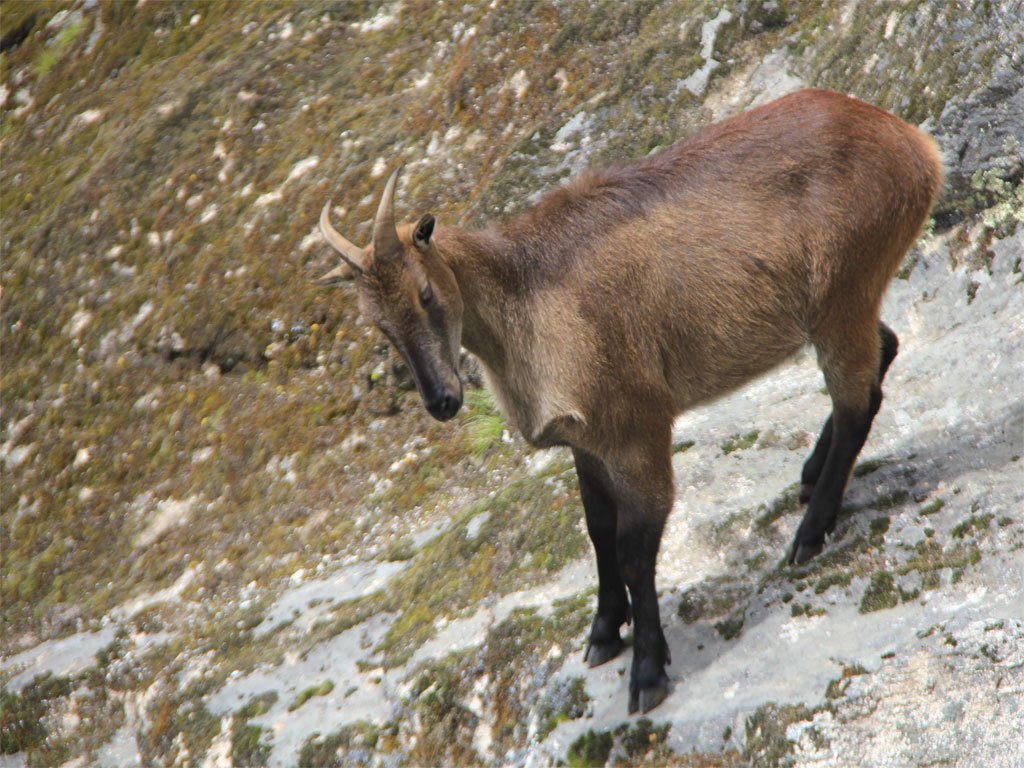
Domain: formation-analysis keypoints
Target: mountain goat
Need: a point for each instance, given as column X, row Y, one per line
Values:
column 637, row 291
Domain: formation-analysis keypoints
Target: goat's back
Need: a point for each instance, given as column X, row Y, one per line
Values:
column 717, row 258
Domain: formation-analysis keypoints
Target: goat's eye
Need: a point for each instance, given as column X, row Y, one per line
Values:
column 426, row 295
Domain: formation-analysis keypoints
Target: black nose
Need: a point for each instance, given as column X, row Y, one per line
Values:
column 444, row 406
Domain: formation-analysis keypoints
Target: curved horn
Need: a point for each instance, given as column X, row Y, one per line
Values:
column 352, row 254
column 385, row 235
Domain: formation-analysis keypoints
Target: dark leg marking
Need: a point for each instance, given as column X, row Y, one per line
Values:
column 604, row 643
column 816, row 462
column 638, row 551
column 849, row 433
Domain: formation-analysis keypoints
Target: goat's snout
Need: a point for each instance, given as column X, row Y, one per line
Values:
column 444, row 405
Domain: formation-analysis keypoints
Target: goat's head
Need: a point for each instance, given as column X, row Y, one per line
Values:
column 411, row 295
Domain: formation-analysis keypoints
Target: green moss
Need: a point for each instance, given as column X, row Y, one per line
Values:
column 835, row 579
column 971, row 524
column 321, row 689
column 353, row 744
column 730, row 628
column 682, row 446
column 591, row 750
column 524, row 640
column 713, row 598
column 880, row 593
column 805, row 609
column 691, row 608
column 400, row 551
column 766, row 743
column 786, row 503
column 446, row 726
column 643, row 741
column 930, row 556
column 258, row 705
column 871, row 465
column 23, row 714
column 178, row 722
column 879, row 527
column 837, row 688
column 932, row 507
column 739, row 443
column 532, row 515
column 564, row 700
column 890, row 499
column 57, row 48
column 249, row 745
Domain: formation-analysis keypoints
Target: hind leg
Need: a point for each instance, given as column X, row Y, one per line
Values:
column 889, row 345
column 854, row 368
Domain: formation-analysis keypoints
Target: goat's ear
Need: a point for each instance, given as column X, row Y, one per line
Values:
column 337, row 275
column 422, row 232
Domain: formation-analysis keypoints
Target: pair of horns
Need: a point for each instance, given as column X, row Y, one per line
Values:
column 385, row 236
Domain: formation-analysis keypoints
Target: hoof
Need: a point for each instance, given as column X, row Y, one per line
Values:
column 648, row 697
column 802, row 551
column 598, row 653
column 805, row 493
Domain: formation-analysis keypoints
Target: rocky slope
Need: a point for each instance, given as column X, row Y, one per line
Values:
column 229, row 534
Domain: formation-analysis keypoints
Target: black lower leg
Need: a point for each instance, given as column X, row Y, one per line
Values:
column 814, row 464
column 889, row 344
column 605, row 642
column 648, row 683
column 850, row 430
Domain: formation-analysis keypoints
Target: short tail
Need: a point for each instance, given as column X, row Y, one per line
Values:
column 933, row 164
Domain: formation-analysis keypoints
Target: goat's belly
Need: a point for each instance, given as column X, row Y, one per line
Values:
column 716, row 376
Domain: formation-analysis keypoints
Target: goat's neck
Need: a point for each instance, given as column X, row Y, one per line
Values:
column 483, row 265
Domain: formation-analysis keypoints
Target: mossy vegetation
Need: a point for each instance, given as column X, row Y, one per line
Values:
column 973, row 524
column 805, row 609
column 931, row 557
column 321, row 689
column 446, row 724
column 535, row 515
column 932, row 507
column 739, row 442
column 714, row 598
column 23, row 714
column 250, row 744
column 868, row 466
column 830, row 580
column 766, row 744
column 352, row 745
column 516, row 657
column 565, row 700
column 837, row 688
column 643, row 740
column 786, row 503
column 515, row 642
column 880, row 593
column 878, row 527
column 591, row 750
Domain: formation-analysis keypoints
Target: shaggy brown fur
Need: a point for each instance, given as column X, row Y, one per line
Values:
column 640, row 290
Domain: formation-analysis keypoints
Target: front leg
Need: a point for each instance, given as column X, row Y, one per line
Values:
column 642, row 478
column 604, row 642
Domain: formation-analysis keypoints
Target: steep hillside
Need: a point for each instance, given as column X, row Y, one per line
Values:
column 229, row 533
